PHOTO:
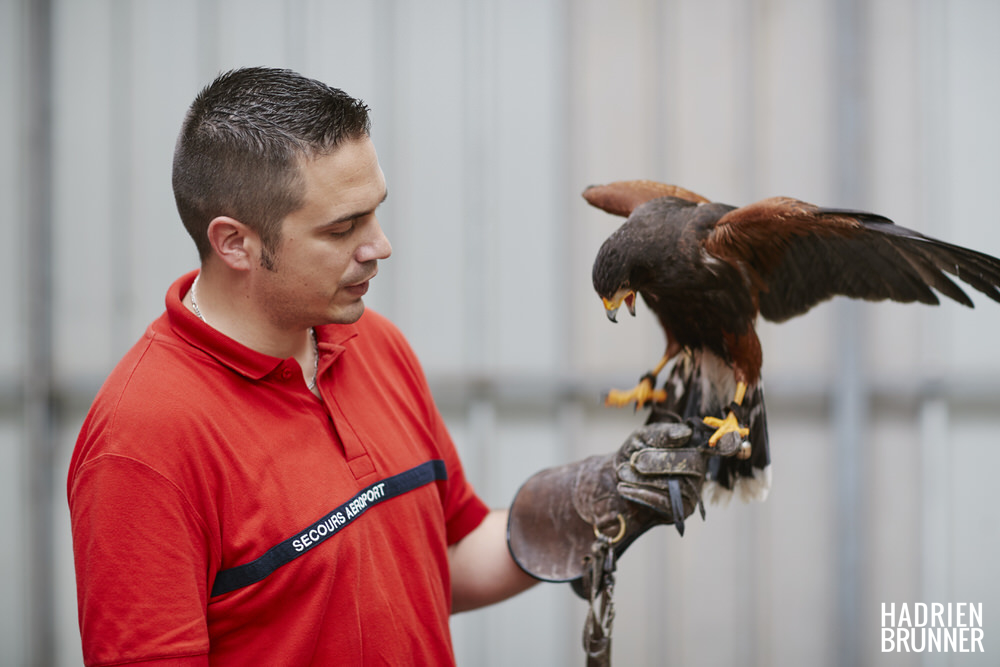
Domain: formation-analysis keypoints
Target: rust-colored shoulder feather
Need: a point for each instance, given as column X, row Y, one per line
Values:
column 760, row 233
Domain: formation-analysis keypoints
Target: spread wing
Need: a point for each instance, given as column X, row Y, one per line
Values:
column 622, row 197
column 799, row 255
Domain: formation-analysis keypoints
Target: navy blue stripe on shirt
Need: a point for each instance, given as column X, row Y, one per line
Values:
column 332, row 523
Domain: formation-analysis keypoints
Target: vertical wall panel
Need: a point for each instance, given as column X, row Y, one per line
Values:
column 68, row 647
column 159, row 249
column 429, row 179
column 526, row 302
column 12, row 144
column 255, row 32
column 973, row 136
column 14, row 554
column 85, row 140
column 706, row 91
column 14, row 550
column 975, row 538
column 341, row 44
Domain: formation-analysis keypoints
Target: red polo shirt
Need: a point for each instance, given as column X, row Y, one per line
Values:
column 224, row 515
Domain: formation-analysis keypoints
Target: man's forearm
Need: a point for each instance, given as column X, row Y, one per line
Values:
column 482, row 570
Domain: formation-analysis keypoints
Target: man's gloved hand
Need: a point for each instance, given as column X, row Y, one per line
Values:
column 655, row 477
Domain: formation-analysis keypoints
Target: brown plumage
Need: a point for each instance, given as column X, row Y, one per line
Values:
column 707, row 270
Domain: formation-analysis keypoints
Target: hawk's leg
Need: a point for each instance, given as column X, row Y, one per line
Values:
column 731, row 425
column 642, row 393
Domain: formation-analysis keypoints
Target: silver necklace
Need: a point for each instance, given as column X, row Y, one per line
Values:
column 194, row 304
column 312, row 333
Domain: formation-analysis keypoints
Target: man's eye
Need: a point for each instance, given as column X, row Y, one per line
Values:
column 342, row 229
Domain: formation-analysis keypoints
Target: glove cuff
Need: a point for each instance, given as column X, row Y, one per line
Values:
column 550, row 529
column 556, row 516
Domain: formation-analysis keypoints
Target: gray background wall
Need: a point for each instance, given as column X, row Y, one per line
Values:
column 490, row 118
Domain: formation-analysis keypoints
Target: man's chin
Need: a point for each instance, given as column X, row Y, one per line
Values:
column 348, row 314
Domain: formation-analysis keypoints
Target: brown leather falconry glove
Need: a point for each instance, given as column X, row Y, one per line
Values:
column 655, row 477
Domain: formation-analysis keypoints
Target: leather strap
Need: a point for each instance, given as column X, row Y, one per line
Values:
column 599, row 581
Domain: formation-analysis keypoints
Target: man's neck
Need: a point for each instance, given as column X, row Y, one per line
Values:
column 226, row 306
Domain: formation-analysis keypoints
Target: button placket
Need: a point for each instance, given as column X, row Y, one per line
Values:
column 355, row 451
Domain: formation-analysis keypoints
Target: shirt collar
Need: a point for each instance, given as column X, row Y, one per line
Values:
column 331, row 338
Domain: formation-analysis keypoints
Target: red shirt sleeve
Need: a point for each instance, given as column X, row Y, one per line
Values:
column 141, row 564
column 464, row 510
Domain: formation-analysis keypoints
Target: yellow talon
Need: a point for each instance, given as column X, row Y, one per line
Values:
column 642, row 393
column 723, row 426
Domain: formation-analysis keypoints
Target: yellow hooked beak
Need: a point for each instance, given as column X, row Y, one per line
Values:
column 612, row 305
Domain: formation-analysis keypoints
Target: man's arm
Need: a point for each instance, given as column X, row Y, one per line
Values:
column 141, row 561
column 482, row 570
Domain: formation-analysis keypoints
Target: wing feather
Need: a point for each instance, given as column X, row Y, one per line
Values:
column 799, row 255
column 623, row 197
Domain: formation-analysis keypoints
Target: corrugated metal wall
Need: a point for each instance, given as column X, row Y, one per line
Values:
column 490, row 118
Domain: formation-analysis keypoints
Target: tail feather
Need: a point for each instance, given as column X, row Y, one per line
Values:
column 694, row 394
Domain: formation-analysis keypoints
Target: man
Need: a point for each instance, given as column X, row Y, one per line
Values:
column 259, row 402
column 264, row 478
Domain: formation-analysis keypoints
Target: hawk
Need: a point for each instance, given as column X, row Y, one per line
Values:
column 707, row 271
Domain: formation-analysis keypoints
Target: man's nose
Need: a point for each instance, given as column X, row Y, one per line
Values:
column 376, row 245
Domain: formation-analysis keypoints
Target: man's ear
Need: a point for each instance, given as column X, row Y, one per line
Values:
column 236, row 244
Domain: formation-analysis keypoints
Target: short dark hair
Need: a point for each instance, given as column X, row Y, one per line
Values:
column 243, row 137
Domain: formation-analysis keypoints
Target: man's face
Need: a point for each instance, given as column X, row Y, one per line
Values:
column 330, row 247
